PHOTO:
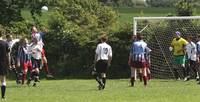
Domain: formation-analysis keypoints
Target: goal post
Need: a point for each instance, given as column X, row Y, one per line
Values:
column 158, row 33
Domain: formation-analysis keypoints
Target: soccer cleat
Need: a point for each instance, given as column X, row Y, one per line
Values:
column 100, row 87
column 28, row 82
column 198, row 83
column 197, row 79
column 49, row 76
column 34, row 84
column 186, row 78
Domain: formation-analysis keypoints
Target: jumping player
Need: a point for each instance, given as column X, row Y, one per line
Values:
column 137, row 59
column 103, row 59
column 44, row 59
column 4, row 63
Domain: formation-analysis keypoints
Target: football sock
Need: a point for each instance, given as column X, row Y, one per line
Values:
column 46, row 68
column 132, row 81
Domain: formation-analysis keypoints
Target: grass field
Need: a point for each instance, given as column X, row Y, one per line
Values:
column 127, row 14
column 116, row 91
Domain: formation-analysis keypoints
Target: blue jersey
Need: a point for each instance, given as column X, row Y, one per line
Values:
column 139, row 51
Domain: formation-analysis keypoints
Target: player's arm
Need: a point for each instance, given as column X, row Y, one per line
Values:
column 184, row 43
column 8, row 56
column 96, row 54
column 171, row 46
column 110, row 56
column 130, row 56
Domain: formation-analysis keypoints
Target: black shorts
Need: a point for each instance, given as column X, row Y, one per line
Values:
column 36, row 63
column 3, row 69
column 101, row 66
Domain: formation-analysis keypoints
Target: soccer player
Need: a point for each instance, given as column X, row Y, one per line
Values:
column 178, row 47
column 137, row 59
column 198, row 57
column 4, row 63
column 191, row 51
column 36, row 56
column 12, row 56
column 44, row 59
column 103, row 57
column 24, row 58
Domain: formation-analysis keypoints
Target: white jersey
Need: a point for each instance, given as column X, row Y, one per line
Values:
column 38, row 36
column 198, row 47
column 191, row 51
column 11, row 43
column 103, row 51
column 35, row 50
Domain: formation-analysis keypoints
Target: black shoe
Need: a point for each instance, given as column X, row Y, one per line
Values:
column 3, row 98
column 34, row 84
column 198, row 83
column 197, row 79
column 100, row 87
column 28, row 82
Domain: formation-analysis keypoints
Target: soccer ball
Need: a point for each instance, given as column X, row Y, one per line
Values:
column 44, row 8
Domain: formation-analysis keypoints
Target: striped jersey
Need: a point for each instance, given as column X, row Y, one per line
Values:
column 23, row 54
column 139, row 51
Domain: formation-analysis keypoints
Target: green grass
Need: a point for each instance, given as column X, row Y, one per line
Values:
column 127, row 14
column 116, row 91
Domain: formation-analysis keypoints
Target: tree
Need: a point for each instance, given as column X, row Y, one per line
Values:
column 10, row 10
column 184, row 8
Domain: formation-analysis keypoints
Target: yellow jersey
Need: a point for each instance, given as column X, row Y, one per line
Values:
column 178, row 46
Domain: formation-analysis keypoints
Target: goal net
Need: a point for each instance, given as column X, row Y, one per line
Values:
column 158, row 33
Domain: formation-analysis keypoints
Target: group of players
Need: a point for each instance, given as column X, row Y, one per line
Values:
column 186, row 54
column 29, row 56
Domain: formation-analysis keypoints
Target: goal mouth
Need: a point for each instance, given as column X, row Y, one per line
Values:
column 159, row 32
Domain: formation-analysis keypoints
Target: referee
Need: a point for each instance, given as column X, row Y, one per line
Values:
column 103, row 59
column 4, row 63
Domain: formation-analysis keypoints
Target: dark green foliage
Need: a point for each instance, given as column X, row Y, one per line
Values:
column 10, row 10
column 184, row 8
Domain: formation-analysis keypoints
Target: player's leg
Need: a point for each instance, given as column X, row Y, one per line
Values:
column 25, row 69
column 98, row 76
column 104, row 66
column 45, row 65
column 144, row 70
column 140, row 74
column 14, row 69
column 133, row 76
column 148, row 73
column 3, row 86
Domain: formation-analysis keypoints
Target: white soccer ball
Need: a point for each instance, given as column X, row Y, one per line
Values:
column 44, row 8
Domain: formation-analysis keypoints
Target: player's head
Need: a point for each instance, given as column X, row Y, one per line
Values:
column 24, row 41
column 177, row 34
column 34, row 29
column 198, row 37
column 104, row 37
column 139, row 36
column 134, row 38
column 189, row 38
column 9, row 37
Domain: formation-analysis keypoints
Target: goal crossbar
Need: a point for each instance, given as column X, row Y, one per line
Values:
column 158, row 18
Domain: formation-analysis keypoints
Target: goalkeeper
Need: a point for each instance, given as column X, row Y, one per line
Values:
column 178, row 47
